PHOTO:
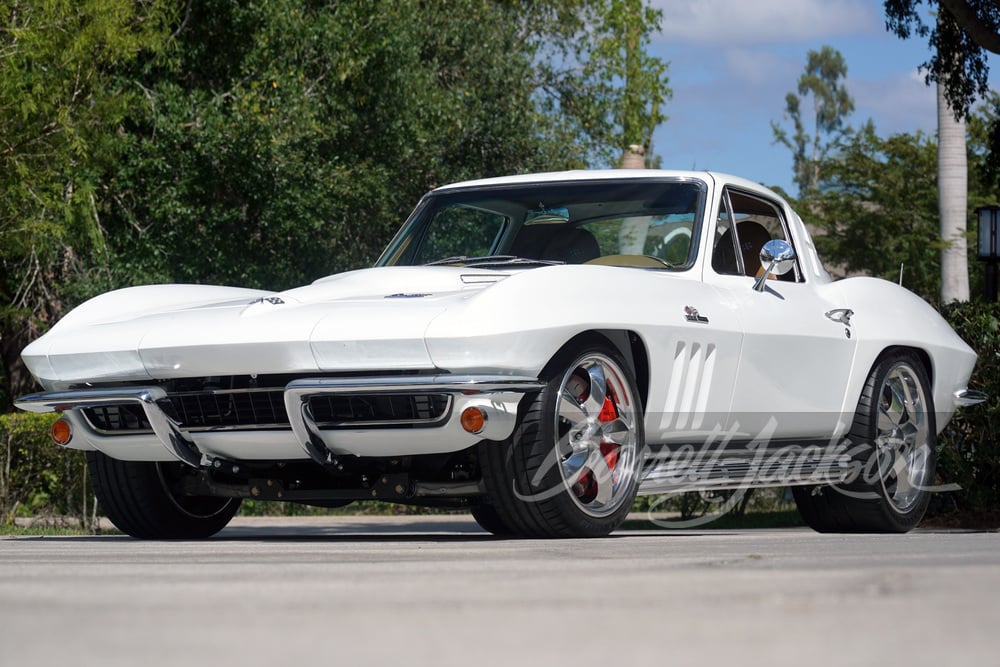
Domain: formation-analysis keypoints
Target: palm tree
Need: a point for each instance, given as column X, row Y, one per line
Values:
column 952, row 201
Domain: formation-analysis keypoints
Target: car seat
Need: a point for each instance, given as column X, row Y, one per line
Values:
column 752, row 237
column 572, row 245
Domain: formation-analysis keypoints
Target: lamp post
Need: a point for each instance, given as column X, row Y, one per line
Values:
column 986, row 246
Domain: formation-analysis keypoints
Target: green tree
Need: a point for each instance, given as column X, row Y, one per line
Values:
column 984, row 171
column 297, row 151
column 620, row 56
column 60, row 103
column 813, row 139
column 594, row 78
column 878, row 204
column 877, row 208
column 964, row 32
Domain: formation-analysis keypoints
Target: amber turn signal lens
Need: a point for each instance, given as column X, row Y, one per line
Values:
column 473, row 420
column 61, row 432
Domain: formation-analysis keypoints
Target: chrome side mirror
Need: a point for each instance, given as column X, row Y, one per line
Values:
column 777, row 257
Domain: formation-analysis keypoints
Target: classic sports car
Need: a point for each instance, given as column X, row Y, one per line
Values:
column 538, row 349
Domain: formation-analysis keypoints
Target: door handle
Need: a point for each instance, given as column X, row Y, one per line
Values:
column 841, row 315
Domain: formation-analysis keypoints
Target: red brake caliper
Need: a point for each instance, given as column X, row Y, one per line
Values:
column 609, row 449
column 586, row 485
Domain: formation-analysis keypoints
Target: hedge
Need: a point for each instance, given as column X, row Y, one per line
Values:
column 37, row 478
column 970, row 454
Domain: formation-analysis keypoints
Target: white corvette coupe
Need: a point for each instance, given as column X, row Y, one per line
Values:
column 538, row 349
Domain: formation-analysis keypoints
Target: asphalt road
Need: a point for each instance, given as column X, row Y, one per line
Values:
column 425, row 591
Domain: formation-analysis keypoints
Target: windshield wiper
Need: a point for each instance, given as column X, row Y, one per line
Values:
column 493, row 260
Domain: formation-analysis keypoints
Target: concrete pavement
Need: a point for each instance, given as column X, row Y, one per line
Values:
column 437, row 591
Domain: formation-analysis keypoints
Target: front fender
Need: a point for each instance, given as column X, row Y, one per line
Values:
column 886, row 316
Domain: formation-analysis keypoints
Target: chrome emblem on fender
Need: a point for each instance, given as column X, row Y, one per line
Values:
column 273, row 300
column 691, row 315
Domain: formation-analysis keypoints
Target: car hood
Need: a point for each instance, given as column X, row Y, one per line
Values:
column 359, row 320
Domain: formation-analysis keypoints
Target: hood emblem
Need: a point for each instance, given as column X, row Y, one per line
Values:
column 273, row 300
column 404, row 295
column 691, row 315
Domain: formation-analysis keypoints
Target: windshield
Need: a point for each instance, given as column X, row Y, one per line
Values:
column 647, row 223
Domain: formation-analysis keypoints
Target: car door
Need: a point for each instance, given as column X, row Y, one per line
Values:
column 798, row 345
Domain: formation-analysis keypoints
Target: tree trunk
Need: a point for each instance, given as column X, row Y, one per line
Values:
column 633, row 232
column 952, row 202
column 634, row 157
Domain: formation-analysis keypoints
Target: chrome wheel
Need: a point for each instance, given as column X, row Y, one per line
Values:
column 903, row 438
column 595, row 426
column 571, row 466
column 893, row 445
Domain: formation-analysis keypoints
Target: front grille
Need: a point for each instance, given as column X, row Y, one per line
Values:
column 385, row 410
column 265, row 408
column 227, row 409
column 118, row 418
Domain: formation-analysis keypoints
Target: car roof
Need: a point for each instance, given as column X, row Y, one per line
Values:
column 606, row 174
column 807, row 251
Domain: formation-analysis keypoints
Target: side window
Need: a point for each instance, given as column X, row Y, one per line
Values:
column 745, row 224
column 461, row 230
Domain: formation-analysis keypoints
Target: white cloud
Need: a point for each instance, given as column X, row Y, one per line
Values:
column 758, row 67
column 902, row 103
column 732, row 82
column 745, row 22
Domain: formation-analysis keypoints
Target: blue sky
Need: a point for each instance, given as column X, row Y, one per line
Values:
column 733, row 61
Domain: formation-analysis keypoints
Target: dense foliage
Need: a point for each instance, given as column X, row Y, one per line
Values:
column 963, row 32
column 877, row 210
column 38, row 479
column 970, row 453
column 61, row 101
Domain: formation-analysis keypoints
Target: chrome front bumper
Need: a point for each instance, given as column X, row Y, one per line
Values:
column 495, row 395
column 167, row 431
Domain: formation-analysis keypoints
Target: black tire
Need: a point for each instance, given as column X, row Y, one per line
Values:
column 539, row 482
column 489, row 520
column 136, row 497
column 893, row 442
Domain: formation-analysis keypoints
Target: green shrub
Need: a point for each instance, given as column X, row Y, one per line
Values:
column 970, row 454
column 37, row 478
